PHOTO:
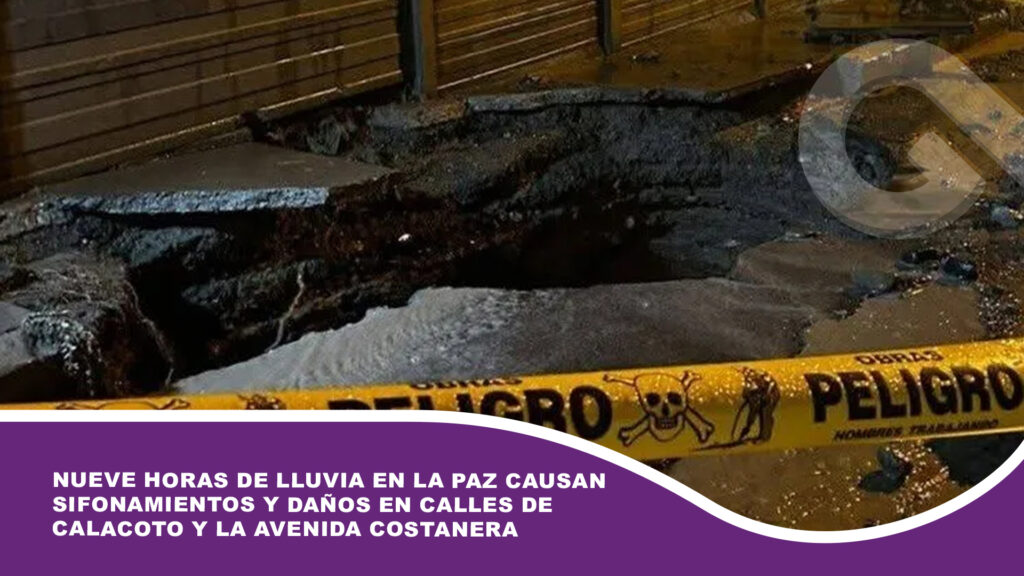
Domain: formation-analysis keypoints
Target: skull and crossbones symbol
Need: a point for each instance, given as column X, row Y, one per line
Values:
column 667, row 411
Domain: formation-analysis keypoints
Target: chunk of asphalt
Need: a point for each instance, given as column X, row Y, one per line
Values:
column 179, row 245
column 11, row 317
column 473, row 175
column 957, row 271
column 23, row 376
column 417, row 116
column 242, row 178
column 85, row 325
column 890, row 477
column 585, row 96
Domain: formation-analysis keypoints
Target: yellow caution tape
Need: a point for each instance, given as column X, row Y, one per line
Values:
column 726, row 408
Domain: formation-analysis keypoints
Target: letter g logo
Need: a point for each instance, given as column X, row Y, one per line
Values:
column 947, row 185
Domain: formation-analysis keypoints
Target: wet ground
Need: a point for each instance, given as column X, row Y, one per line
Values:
column 571, row 229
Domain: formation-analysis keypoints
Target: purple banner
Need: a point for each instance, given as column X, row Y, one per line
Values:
column 600, row 518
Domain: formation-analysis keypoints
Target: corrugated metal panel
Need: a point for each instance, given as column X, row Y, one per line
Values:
column 480, row 37
column 85, row 81
column 785, row 6
column 643, row 19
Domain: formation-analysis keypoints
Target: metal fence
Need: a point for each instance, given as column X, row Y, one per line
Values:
column 86, row 84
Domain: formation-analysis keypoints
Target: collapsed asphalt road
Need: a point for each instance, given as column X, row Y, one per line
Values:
column 496, row 193
column 576, row 230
